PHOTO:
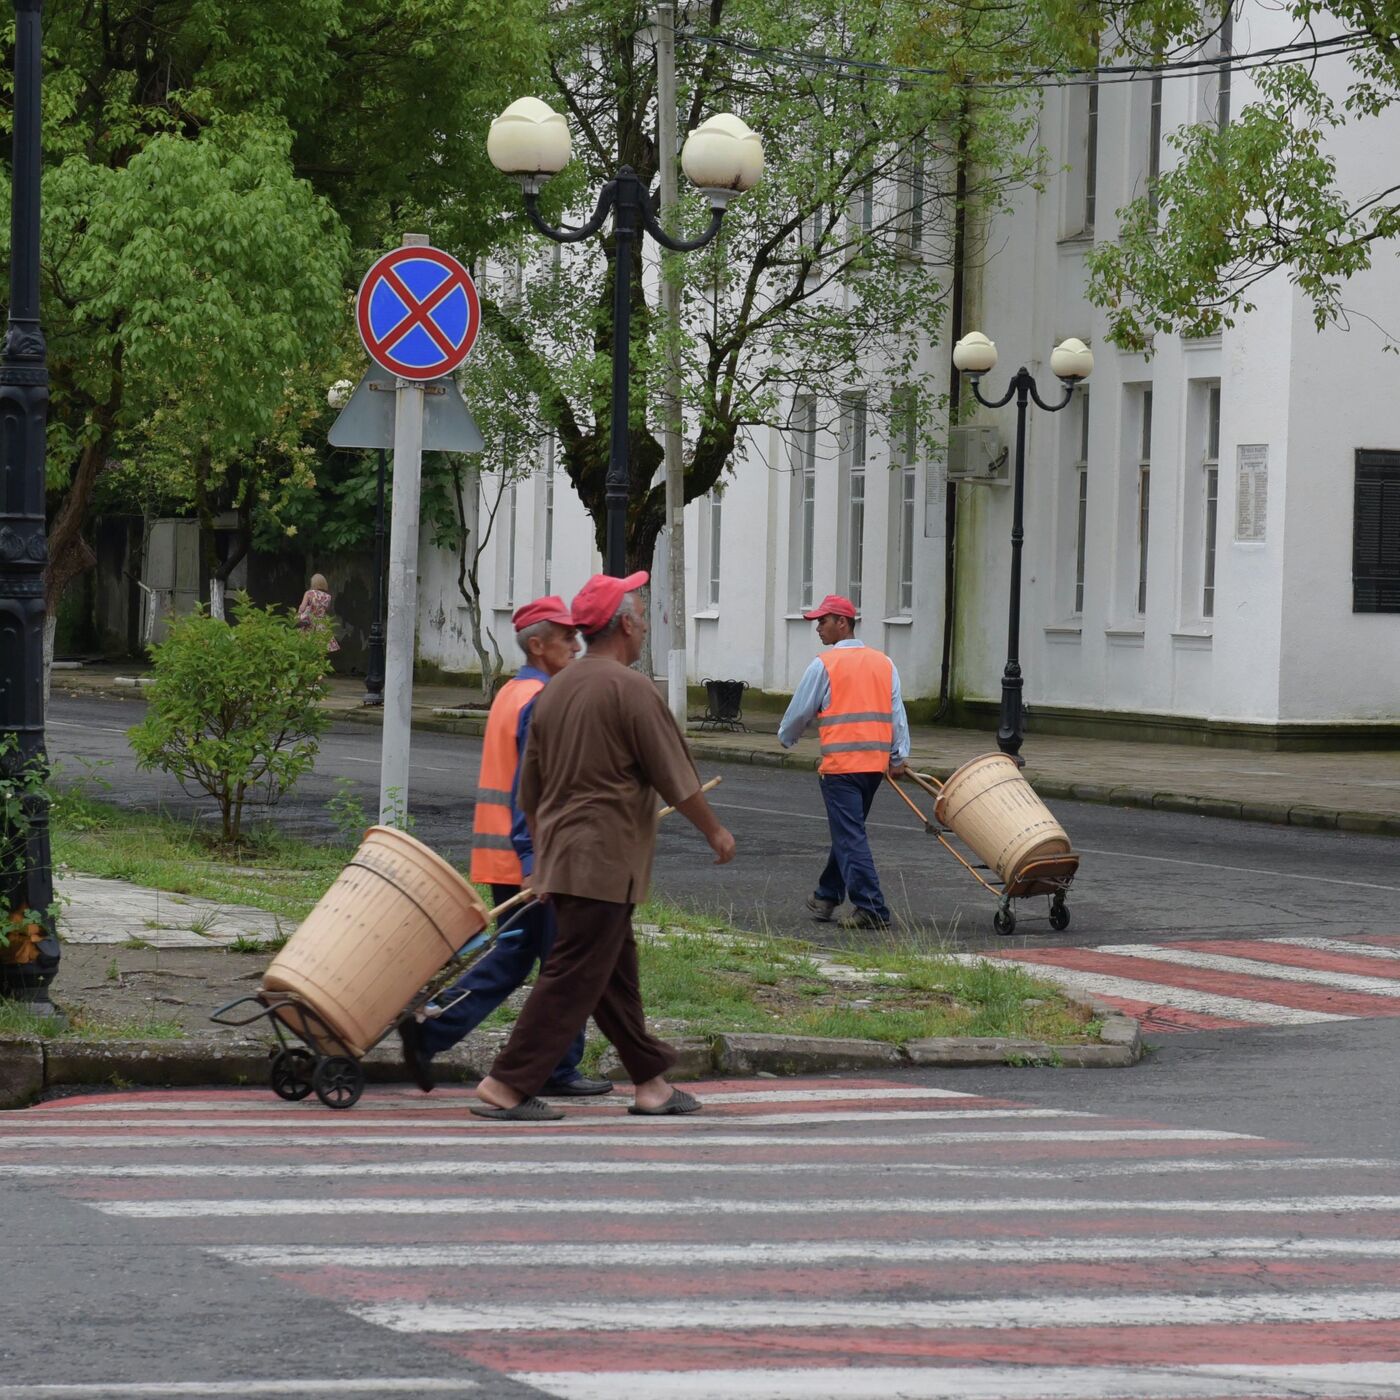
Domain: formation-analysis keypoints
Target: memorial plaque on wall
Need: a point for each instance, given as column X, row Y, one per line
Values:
column 1251, row 490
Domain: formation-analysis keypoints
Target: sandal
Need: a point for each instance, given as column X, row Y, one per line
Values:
column 526, row 1111
column 679, row 1102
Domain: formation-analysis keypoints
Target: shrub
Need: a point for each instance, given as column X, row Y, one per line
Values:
column 235, row 709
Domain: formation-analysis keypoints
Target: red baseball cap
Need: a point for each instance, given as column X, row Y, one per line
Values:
column 547, row 609
column 833, row 603
column 596, row 602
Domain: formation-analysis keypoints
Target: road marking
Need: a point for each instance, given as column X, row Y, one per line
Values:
column 416, row 767
column 989, row 1314
column 385, row 1385
column 1256, row 967
column 1239, row 869
column 1340, row 945
column 1160, row 994
column 1312, row 1382
column 90, row 728
column 1108, row 1248
column 878, row 1205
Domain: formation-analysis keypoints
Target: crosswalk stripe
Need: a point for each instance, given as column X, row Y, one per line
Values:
column 1180, row 1382
column 1274, row 971
column 745, row 1315
column 1233, row 1008
column 290, row 1385
column 396, row 1140
column 1099, row 1248
column 881, row 1205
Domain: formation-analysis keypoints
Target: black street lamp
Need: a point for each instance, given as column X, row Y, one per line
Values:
column 1071, row 362
column 721, row 156
column 337, row 396
column 24, row 411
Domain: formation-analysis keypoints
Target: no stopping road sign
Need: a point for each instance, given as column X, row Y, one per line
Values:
column 418, row 312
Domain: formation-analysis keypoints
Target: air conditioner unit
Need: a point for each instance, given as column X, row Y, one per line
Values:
column 976, row 453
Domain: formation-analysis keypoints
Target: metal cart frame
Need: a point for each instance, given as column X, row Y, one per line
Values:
column 1051, row 876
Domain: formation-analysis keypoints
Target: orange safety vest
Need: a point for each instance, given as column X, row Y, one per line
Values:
column 494, row 861
column 857, row 726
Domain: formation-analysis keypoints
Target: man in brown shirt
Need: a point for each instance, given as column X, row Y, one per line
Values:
column 602, row 745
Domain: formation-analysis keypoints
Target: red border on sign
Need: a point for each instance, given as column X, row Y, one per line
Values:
column 418, row 312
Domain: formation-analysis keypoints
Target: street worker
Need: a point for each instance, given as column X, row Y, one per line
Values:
column 852, row 691
column 602, row 746
column 501, row 858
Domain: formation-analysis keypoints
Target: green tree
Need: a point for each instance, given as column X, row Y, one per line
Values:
column 209, row 166
column 824, row 278
column 1263, row 195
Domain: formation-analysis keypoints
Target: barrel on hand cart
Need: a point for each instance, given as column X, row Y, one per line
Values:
column 395, row 916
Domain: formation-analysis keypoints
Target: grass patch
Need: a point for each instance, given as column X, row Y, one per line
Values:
column 16, row 1019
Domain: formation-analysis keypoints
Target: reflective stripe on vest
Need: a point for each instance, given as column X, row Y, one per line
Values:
column 494, row 861
column 857, row 726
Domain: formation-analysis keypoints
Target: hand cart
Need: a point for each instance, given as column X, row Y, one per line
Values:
column 1050, row 876
column 324, row 1062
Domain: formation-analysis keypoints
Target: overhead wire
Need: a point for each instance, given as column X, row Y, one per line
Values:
column 1103, row 74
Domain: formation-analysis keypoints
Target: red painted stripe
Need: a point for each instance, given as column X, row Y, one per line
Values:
column 1262, row 989
column 1279, row 1345
column 1290, row 955
column 1167, row 1018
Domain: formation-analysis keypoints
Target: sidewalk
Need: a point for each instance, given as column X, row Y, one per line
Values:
column 1344, row 791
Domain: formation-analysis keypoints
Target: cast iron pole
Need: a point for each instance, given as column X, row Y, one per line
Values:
column 24, row 405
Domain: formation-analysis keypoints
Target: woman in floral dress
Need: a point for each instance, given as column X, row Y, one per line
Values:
column 315, row 608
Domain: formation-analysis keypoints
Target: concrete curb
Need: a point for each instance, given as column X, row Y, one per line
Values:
column 30, row 1066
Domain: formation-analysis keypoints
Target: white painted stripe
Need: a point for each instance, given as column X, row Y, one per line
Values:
column 992, row 1314
column 377, row 1101
column 261, row 1142
column 1252, row 967
column 1159, row 994
column 1100, row 1248
column 1340, row 945
column 386, row 1385
column 1368, row 1379
column 1240, row 869
column 332, row 1125
column 882, row 1205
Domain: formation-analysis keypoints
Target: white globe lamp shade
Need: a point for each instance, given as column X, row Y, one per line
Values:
column 529, row 138
column 723, row 154
column 1071, row 359
column 338, row 395
column 975, row 354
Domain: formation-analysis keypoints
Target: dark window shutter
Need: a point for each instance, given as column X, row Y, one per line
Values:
column 1375, row 559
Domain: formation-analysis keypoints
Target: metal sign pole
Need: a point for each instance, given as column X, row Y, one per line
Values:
column 403, row 604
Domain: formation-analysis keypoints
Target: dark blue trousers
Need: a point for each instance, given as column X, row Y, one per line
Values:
column 492, row 978
column 850, row 869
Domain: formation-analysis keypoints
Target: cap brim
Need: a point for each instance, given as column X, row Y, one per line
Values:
column 812, row 616
column 637, row 580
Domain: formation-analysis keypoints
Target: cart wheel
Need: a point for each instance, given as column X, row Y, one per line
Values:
column 291, row 1074
column 1004, row 921
column 339, row 1081
column 1059, row 913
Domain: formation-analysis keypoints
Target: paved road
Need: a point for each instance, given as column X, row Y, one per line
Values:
column 953, row 1237
column 1146, row 877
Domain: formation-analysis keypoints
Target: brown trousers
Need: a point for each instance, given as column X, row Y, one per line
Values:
column 590, row 971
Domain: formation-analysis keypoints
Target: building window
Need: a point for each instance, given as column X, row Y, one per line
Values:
column 907, row 497
column 1091, row 158
column 1081, row 501
column 1210, row 468
column 904, row 456
column 1375, row 567
column 1154, row 143
column 862, row 207
column 713, row 544
column 804, row 500
column 913, row 194
column 1144, row 477
column 1081, row 159
column 1215, row 83
column 853, row 491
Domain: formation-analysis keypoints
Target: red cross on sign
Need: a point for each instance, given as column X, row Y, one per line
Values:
column 418, row 313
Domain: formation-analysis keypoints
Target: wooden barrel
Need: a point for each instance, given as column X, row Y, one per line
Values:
column 391, row 920
column 990, row 807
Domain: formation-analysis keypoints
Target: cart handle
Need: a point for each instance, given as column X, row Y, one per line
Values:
column 908, row 802
column 516, row 899
column 930, row 784
column 707, row 787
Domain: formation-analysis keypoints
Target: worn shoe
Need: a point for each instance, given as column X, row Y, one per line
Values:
column 822, row 909
column 580, row 1088
column 863, row 918
column 526, row 1111
column 416, row 1059
column 679, row 1102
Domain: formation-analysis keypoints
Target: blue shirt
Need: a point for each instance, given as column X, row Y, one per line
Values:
column 520, row 836
column 813, row 695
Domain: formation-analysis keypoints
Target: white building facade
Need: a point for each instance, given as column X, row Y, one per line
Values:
column 1212, row 541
